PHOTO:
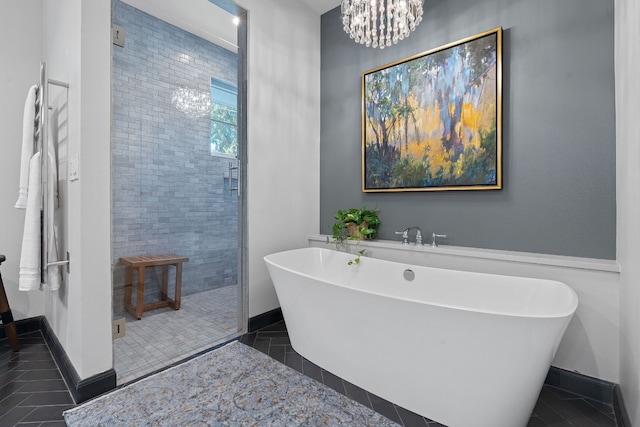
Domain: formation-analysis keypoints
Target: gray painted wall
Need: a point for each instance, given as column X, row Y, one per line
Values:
column 558, row 193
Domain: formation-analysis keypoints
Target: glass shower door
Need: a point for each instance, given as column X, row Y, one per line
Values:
column 177, row 164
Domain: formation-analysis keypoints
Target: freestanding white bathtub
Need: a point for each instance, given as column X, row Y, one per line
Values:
column 464, row 349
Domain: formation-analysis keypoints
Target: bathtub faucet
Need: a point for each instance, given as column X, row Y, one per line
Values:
column 434, row 236
column 405, row 235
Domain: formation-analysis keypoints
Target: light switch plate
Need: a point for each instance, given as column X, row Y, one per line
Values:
column 74, row 167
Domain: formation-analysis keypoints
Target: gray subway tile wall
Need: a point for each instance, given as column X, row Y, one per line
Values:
column 169, row 193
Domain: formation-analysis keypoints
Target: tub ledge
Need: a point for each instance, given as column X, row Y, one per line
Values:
column 396, row 251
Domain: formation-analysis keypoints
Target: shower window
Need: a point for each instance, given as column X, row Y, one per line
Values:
column 224, row 119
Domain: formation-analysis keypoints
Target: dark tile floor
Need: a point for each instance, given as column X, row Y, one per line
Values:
column 32, row 392
column 555, row 407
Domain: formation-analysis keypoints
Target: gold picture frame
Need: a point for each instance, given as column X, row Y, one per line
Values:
column 433, row 121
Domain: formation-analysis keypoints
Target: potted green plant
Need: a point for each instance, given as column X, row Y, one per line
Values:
column 354, row 224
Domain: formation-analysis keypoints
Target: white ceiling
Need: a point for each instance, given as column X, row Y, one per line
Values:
column 322, row 6
column 204, row 19
column 199, row 17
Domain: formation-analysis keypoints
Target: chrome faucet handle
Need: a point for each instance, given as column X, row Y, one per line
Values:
column 418, row 237
column 405, row 236
column 434, row 236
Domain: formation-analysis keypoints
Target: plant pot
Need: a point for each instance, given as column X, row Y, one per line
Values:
column 352, row 229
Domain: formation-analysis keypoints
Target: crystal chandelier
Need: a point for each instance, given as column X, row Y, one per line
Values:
column 192, row 102
column 379, row 23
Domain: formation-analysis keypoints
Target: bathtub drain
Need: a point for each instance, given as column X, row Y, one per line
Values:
column 409, row 275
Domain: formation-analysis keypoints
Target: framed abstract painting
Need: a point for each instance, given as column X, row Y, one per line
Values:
column 432, row 122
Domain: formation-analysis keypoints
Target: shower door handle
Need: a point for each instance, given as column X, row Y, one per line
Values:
column 231, row 169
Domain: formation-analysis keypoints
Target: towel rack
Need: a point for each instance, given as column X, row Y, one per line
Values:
column 40, row 145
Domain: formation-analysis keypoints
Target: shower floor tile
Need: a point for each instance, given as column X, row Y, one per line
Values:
column 165, row 336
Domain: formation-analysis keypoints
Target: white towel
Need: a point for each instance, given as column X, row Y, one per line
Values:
column 30, row 255
column 53, row 272
column 27, row 145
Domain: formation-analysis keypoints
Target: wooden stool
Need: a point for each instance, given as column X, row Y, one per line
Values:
column 7, row 317
column 142, row 262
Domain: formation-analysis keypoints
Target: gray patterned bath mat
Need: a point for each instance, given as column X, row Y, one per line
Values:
column 234, row 385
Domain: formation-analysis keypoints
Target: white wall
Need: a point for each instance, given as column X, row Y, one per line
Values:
column 74, row 38
column 77, row 48
column 21, row 53
column 627, row 17
column 283, row 136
